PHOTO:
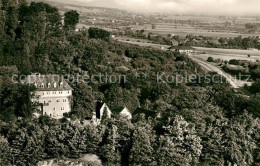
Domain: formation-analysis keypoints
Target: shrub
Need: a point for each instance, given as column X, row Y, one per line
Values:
column 210, row 59
column 98, row 34
column 234, row 62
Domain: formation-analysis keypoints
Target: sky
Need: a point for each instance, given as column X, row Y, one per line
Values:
column 181, row 6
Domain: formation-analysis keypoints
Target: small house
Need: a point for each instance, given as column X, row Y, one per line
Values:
column 53, row 95
column 115, row 112
column 182, row 49
column 100, row 109
column 122, row 112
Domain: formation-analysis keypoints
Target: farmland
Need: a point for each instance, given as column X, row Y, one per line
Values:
column 216, row 53
column 229, row 51
column 228, row 54
column 227, row 57
column 161, row 24
column 182, row 30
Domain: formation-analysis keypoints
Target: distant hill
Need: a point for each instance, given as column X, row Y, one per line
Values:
column 60, row 4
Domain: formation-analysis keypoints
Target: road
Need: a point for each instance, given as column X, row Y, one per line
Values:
column 235, row 83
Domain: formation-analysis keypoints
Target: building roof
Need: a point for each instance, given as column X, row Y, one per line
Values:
column 117, row 110
column 147, row 113
column 181, row 48
column 99, row 105
column 48, row 82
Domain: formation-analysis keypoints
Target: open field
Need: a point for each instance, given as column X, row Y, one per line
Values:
column 142, row 43
column 216, row 53
column 228, row 54
column 229, row 51
column 183, row 30
column 227, row 57
column 235, row 83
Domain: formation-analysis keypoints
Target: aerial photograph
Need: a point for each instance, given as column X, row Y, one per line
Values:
column 129, row 82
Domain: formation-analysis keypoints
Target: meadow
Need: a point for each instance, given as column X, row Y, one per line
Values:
column 184, row 29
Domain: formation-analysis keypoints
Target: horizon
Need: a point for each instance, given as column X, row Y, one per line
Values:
column 205, row 7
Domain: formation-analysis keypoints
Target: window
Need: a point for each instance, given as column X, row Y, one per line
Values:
column 54, row 109
column 58, row 100
column 64, row 100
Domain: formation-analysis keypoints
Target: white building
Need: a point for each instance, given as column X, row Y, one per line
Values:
column 182, row 49
column 102, row 107
column 125, row 113
column 53, row 94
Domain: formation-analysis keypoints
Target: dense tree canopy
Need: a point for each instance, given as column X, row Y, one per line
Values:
column 71, row 19
column 97, row 33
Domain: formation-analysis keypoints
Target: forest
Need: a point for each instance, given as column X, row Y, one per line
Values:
column 197, row 124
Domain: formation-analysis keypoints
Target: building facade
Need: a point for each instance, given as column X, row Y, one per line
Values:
column 53, row 94
column 182, row 49
column 126, row 113
column 101, row 107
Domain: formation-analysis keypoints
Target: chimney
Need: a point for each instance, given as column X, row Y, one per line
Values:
column 98, row 107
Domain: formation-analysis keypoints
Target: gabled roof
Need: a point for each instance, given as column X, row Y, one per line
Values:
column 117, row 110
column 99, row 106
column 148, row 113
